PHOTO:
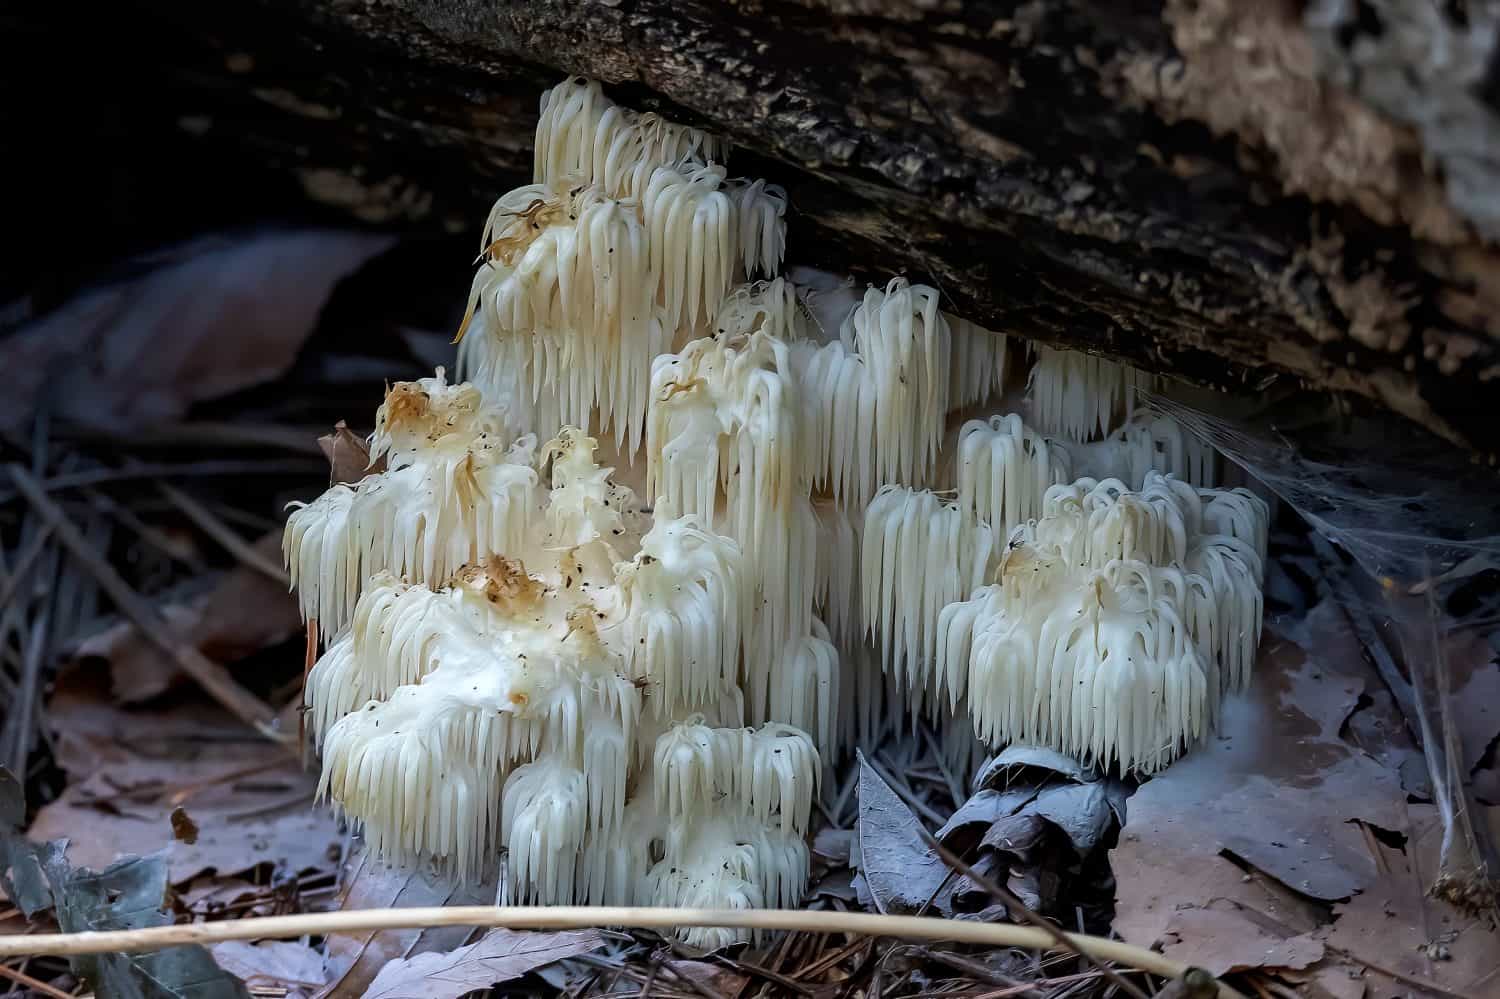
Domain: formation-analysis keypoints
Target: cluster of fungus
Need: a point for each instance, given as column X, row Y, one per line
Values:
column 628, row 681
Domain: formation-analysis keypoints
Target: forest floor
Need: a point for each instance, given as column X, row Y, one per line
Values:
column 140, row 574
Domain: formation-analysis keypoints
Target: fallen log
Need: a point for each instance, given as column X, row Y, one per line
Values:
column 1253, row 196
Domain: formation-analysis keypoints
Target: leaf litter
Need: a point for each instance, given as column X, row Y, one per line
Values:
column 1287, row 844
column 130, row 768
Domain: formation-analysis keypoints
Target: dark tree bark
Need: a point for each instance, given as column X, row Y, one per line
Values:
column 1243, row 194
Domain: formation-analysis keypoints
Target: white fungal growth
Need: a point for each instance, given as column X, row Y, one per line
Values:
column 734, row 806
column 634, row 697
column 1080, row 396
column 1004, row 469
column 875, row 398
column 515, row 705
column 838, row 572
column 623, row 248
column 1096, row 664
column 1117, row 625
column 1148, row 442
column 457, row 488
column 563, row 316
column 682, row 604
column 1240, row 514
column 771, row 307
column 762, row 225
column 903, row 344
column 977, row 369
column 920, row 554
column 585, row 135
column 721, row 442
column 805, row 685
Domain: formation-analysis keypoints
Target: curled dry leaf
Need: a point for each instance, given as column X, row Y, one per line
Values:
column 498, row 956
column 899, row 870
column 210, row 317
column 183, row 826
column 348, row 455
column 352, row 961
column 273, row 964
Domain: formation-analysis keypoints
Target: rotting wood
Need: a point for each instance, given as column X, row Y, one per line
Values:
column 1211, row 189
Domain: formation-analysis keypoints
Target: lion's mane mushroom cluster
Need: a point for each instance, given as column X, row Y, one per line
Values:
column 632, row 693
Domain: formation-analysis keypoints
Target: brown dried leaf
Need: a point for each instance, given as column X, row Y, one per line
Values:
column 1277, row 788
column 716, row 978
column 183, row 826
column 1396, row 925
column 499, row 956
column 901, row 872
column 272, row 964
column 353, row 961
column 348, row 455
column 128, row 769
column 218, row 315
column 1222, row 937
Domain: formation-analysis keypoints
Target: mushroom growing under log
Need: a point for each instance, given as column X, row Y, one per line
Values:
column 1240, row 194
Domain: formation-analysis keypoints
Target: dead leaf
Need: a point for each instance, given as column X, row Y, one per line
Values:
column 183, row 826
column 499, row 956
column 295, row 967
column 128, row 768
column 210, row 894
column 834, row 845
column 1277, row 787
column 1081, row 811
column 1395, row 924
column 242, row 613
column 1221, row 937
column 983, row 809
column 716, row 978
column 1022, row 765
column 901, row 873
column 213, row 316
column 348, row 455
column 352, row 961
column 1476, row 693
column 1336, row 981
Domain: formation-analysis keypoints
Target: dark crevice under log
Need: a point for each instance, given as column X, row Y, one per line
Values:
column 1191, row 187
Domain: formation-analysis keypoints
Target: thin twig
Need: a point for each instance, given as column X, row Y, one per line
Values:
column 209, row 523
column 974, row 969
column 38, row 647
column 1064, row 940
column 177, row 550
column 300, row 440
column 576, row 917
column 1021, row 988
column 35, row 984
column 826, row 961
column 24, row 561
column 906, row 793
column 182, row 470
column 774, row 977
column 1413, row 980
column 212, row 676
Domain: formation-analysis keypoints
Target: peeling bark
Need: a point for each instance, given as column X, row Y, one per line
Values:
column 1241, row 194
